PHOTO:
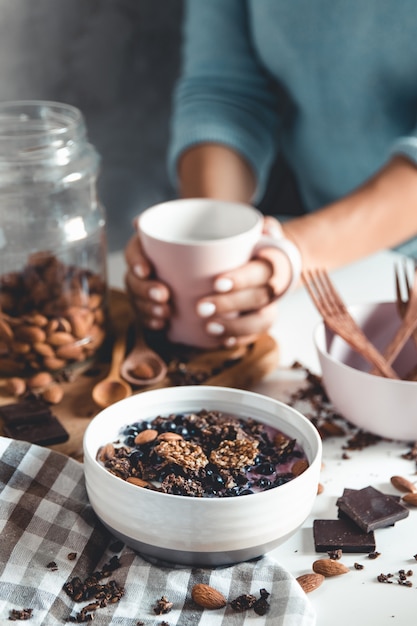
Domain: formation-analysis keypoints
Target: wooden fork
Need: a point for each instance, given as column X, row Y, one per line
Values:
column 338, row 319
column 401, row 276
column 409, row 323
column 402, row 282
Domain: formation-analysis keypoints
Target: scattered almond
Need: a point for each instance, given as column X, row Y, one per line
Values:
column 53, row 394
column 403, row 484
column 310, row 582
column 329, row 567
column 142, row 371
column 42, row 379
column 146, row 436
column 410, row 498
column 207, row 597
column 320, row 489
column 15, row 386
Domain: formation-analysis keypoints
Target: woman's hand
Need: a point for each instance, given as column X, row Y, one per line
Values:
column 243, row 302
column 150, row 297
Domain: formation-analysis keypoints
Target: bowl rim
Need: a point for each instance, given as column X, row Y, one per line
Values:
column 320, row 345
column 313, row 437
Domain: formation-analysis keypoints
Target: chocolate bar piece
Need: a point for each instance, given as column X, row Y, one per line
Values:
column 341, row 534
column 342, row 515
column 371, row 509
column 26, row 410
column 44, row 433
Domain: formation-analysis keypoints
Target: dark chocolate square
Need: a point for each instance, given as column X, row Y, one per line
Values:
column 43, row 433
column 343, row 515
column 341, row 534
column 371, row 509
column 27, row 410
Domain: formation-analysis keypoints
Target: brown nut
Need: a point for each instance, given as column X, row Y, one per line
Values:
column 310, row 582
column 44, row 349
column 410, row 498
column 106, row 452
column 207, row 597
column 52, row 363
column 139, row 482
column 41, row 379
column 403, row 484
column 29, row 334
column 15, row 386
column 60, row 338
column 53, row 394
column 329, row 567
column 71, row 352
column 6, row 332
column 299, row 467
column 169, row 437
column 146, row 436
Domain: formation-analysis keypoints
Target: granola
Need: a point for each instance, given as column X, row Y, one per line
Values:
column 203, row 454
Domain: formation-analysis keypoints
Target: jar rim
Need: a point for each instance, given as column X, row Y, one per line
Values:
column 32, row 130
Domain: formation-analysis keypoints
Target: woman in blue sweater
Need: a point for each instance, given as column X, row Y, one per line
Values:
column 329, row 85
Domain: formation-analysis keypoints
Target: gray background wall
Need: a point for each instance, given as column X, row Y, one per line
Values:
column 117, row 61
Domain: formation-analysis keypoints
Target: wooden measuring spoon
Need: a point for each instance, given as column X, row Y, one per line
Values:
column 143, row 366
column 113, row 388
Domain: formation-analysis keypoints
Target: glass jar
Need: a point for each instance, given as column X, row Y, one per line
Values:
column 53, row 251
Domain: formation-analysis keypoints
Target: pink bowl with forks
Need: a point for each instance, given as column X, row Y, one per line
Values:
column 383, row 406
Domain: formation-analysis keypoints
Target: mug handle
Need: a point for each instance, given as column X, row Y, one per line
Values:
column 291, row 252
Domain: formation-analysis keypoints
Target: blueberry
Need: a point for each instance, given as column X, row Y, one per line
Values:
column 266, row 469
column 245, row 492
column 135, row 457
column 130, row 441
column 264, row 483
column 130, row 430
column 182, row 430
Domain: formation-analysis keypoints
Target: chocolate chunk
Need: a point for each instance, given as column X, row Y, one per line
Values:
column 343, row 515
column 371, row 509
column 43, row 433
column 27, row 410
column 341, row 534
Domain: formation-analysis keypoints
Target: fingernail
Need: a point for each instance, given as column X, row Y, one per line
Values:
column 214, row 328
column 205, row 309
column 274, row 231
column 158, row 310
column 139, row 270
column 156, row 294
column 156, row 324
column 223, row 284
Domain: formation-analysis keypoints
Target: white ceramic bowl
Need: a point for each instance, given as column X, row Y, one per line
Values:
column 200, row 531
column 379, row 405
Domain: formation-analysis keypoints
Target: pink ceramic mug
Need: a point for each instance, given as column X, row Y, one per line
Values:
column 189, row 242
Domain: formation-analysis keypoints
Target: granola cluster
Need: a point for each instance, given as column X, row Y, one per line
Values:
column 203, row 454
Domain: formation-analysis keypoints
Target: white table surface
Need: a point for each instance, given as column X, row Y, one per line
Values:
column 356, row 597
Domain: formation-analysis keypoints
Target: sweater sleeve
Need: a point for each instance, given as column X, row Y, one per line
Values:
column 406, row 146
column 223, row 94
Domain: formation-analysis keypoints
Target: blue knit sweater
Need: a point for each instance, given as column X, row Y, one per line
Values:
column 330, row 83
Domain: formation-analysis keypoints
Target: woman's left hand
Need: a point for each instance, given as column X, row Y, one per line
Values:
column 243, row 304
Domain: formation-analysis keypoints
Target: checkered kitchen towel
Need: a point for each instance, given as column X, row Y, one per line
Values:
column 49, row 534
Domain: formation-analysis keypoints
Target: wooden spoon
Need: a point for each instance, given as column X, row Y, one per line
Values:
column 113, row 388
column 143, row 366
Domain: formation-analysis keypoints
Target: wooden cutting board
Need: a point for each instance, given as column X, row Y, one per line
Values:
column 238, row 367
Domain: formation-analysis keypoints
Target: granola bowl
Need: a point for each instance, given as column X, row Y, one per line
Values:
column 379, row 405
column 201, row 531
